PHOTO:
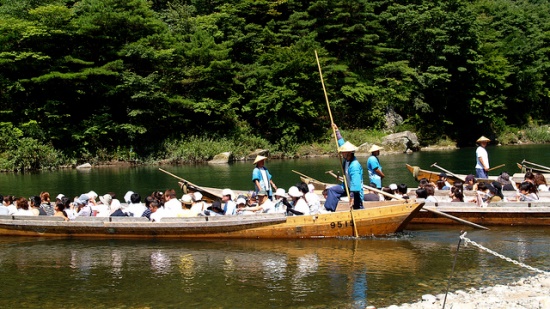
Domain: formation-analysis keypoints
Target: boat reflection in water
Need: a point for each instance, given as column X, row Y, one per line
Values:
column 343, row 273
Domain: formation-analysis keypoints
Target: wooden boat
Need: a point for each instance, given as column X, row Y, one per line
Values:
column 433, row 176
column 526, row 166
column 501, row 213
column 385, row 218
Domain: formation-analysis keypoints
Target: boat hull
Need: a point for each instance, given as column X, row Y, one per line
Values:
column 433, row 176
column 380, row 220
column 503, row 214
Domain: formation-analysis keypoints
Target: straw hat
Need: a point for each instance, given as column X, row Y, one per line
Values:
column 483, row 139
column 259, row 158
column 186, row 199
column 347, row 147
column 374, row 148
column 106, row 199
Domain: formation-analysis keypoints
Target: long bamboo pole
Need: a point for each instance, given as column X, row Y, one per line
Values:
column 336, row 140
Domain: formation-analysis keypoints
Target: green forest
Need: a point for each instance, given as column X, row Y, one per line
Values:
column 180, row 80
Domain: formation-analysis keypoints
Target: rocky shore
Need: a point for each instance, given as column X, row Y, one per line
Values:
column 527, row 293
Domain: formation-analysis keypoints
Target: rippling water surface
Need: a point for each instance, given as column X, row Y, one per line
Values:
column 344, row 273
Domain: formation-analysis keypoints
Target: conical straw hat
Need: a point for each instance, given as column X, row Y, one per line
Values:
column 374, row 148
column 482, row 139
column 347, row 147
column 259, row 158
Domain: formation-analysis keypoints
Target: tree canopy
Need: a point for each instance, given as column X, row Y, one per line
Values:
column 95, row 76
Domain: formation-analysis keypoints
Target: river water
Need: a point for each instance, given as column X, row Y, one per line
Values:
column 344, row 273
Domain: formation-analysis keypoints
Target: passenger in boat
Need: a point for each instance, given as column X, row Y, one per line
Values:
column 374, row 167
column 199, row 205
column 92, row 195
column 122, row 211
column 264, row 203
column 495, row 192
column 540, row 182
column 252, row 199
column 103, row 208
column 228, row 205
column 261, row 177
column 456, row 194
column 23, row 208
column 393, row 188
column 171, row 203
column 430, row 192
column 281, row 201
column 34, row 202
column 186, row 212
column 59, row 211
column 311, row 198
column 156, row 211
column 83, row 209
column 440, row 184
column 387, row 196
column 526, row 192
column 9, row 202
column 46, row 204
column 148, row 201
column 300, row 206
column 215, row 209
column 354, row 177
column 242, row 209
column 371, row 196
column 4, row 210
column 504, row 180
column 470, row 183
column 482, row 158
column 529, row 177
column 402, row 191
column 446, row 185
column 136, row 207
column 421, row 193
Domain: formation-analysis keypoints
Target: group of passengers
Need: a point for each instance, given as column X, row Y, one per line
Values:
column 300, row 200
column 485, row 192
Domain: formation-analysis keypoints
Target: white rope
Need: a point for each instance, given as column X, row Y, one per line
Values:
column 467, row 241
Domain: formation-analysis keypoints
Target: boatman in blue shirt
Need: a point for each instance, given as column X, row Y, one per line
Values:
column 374, row 168
column 262, row 178
column 354, row 177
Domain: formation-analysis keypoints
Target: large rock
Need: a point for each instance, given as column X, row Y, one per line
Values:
column 403, row 140
column 221, row 158
column 84, row 166
column 257, row 152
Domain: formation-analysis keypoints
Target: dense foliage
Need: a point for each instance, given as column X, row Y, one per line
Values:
column 109, row 77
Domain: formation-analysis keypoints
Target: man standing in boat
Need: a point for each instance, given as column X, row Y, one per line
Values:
column 482, row 158
column 354, row 177
column 374, row 167
column 262, row 178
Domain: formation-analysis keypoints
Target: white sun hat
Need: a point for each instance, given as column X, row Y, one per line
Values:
column 294, row 192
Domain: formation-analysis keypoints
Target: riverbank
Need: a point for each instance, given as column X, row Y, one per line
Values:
column 531, row 292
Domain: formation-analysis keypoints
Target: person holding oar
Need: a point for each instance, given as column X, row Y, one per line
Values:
column 482, row 158
column 354, row 176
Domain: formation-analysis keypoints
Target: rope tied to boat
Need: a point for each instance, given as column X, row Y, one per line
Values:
column 475, row 244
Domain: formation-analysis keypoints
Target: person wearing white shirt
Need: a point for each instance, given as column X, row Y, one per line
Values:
column 171, row 203
column 482, row 158
column 228, row 205
column 300, row 203
column 312, row 199
column 136, row 207
column 23, row 208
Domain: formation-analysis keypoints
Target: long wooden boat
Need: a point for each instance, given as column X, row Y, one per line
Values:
column 501, row 213
column 532, row 167
column 433, row 176
column 385, row 218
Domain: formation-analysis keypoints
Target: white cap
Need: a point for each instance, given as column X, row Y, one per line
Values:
column 92, row 195
column 280, row 192
column 393, row 186
column 197, row 196
column 241, row 201
column 127, row 196
column 228, row 192
column 60, row 196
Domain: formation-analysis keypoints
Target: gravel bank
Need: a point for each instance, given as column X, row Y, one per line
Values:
column 529, row 293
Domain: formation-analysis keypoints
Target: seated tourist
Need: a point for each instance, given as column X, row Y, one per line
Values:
column 506, row 183
column 456, row 194
column 35, row 206
column 526, row 192
column 23, row 208
column 136, row 207
column 199, row 205
column 46, row 204
column 4, row 210
column 228, row 205
column 299, row 203
column 186, row 212
column 470, row 183
column 59, row 211
column 430, row 192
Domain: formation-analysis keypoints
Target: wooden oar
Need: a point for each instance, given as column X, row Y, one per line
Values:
column 537, row 165
column 336, row 140
column 430, row 210
column 496, row 167
column 446, row 171
column 192, row 185
column 440, row 213
column 540, row 167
